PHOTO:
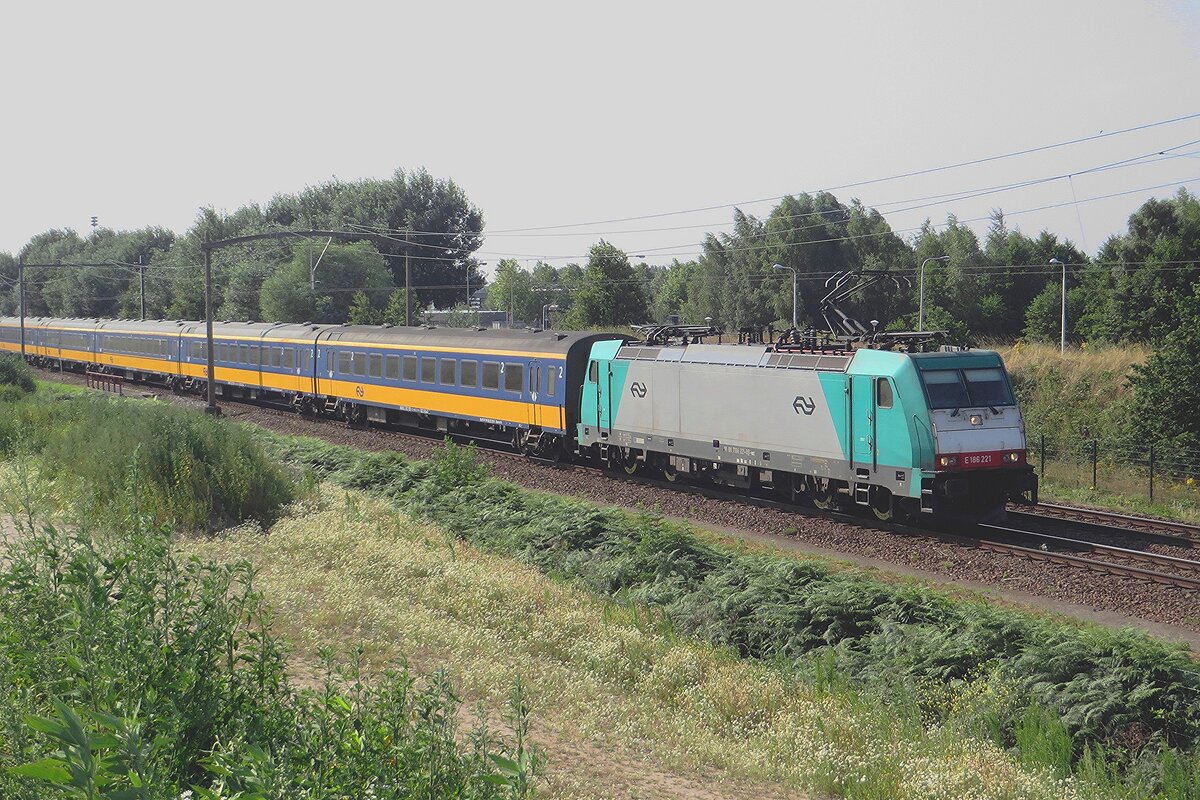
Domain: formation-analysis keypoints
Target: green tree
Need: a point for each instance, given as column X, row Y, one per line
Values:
column 363, row 311
column 1157, row 261
column 344, row 270
column 511, row 290
column 242, row 297
column 444, row 227
column 611, row 294
column 393, row 312
column 1165, row 388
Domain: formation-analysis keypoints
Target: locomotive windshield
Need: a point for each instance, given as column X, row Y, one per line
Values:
column 953, row 388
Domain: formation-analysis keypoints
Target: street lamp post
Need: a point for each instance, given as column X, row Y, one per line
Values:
column 921, row 303
column 546, row 309
column 1063, row 334
column 795, row 291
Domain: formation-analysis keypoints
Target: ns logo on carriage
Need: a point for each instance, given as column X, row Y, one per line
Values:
column 637, row 389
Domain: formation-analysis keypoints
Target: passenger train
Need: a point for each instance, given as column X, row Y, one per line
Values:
column 898, row 433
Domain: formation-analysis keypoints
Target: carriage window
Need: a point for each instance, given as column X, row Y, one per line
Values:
column 551, row 383
column 883, row 393
column 447, row 373
column 360, row 363
column 276, row 356
column 253, row 353
column 428, row 370
column 376, row 366
column 289, row 358
column 344, row 363
column 410, row 368
column 491, row 375
column 467, row 373
column 514, row 377
column 393, row 368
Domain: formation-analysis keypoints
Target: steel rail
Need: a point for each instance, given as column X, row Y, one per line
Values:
column 1156, row 537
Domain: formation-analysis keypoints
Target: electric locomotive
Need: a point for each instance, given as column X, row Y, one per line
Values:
column 918, row 433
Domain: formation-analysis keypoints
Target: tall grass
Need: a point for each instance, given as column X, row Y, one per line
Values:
column 1118, row 692
column 129, row 674
column 630, row 705
column 16, row 378
column 1077, row 396
column 180, row 468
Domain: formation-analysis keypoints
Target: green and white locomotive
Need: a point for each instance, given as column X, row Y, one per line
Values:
column 913, row 433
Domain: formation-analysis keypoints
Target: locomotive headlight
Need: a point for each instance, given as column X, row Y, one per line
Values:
column 1014, row 456
column 976, row 419
column 948, row 461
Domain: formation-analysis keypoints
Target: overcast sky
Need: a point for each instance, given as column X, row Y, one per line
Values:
column 548, row 114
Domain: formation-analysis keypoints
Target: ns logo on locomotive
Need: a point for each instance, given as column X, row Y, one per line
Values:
column 851, row 420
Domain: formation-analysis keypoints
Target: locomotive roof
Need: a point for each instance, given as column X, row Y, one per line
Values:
column 876, row 361
column 737, row 355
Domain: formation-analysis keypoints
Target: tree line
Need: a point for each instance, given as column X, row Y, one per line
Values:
column 1001, row 288
column 294, row 279
column 1138, row 287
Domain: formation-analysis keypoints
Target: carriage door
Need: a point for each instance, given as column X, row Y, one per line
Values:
column 862, row 422
column 535, row 394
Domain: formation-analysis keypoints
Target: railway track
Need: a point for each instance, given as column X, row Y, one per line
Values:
column 1110, row 559
column 1164, row 531
column 1079, row 553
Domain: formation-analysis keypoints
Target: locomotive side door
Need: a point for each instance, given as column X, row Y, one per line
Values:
column 861, row 421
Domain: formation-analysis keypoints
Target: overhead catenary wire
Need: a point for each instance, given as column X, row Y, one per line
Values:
column 852, row 237
column 874, row 181
column 830, row 189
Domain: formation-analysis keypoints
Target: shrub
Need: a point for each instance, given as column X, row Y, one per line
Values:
column 16, row 378
column 170, row 465
column 125, row 673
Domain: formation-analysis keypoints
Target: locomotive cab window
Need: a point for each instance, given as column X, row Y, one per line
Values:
column 945, row 388
column 988, row 387
column 468, row 373
column 491, row 375
column 514, row 377
column 883, row 393
column 594, row 372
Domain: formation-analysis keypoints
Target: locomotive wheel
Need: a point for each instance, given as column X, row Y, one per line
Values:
column 673, row 475
column 630, row 465
column 882, row 504
column 824, row 496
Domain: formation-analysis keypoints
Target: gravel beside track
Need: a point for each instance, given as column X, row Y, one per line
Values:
column 1111, row 600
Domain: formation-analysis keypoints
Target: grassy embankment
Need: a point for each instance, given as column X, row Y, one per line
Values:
column 732, row 671
column 904, row 686
column 1083, row 396
column 130, row 670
